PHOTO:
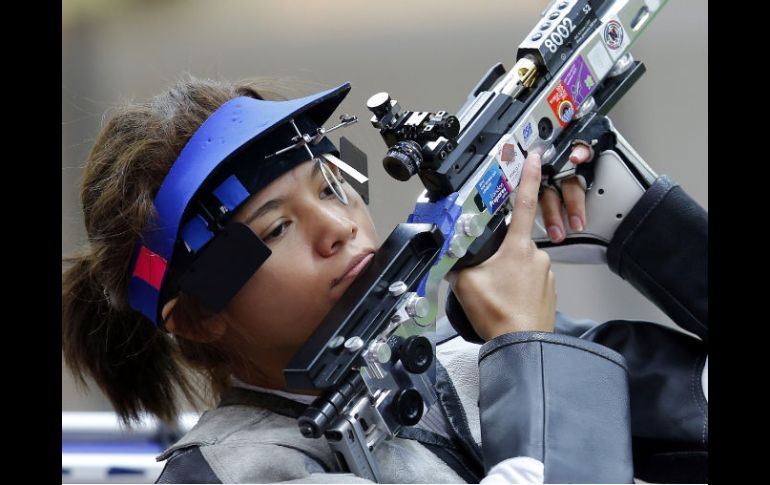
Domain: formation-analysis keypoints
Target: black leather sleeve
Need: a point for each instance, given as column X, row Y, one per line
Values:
column 187, row 466
column 558, row 399
column 661, row 249
column 669, row 412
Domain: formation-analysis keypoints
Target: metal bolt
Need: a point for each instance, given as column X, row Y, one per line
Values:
column 397, row 288
column 457, row 248
column 354, row 344
column 336, row 342
column 380, row 351
column 471, row 224
column 417, row 306
column 547, row 157
column 622, row 65
column 585, row 108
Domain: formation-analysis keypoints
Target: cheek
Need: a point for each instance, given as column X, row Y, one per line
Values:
column 277, row 307
column 363, row 218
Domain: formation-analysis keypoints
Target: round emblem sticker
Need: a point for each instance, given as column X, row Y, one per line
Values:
column 613, row 34
column 566, row 110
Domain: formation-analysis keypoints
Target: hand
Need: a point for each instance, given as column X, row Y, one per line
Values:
column 574, row 200
column 514, row 290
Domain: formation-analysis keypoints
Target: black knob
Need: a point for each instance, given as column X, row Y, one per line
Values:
column 403, row 160
column 379, row 104
column 452, row 127
column 416, row 354
column 313, row 423
column 408, row 407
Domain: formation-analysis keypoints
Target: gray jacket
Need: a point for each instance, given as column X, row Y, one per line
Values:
column 575, row 400
column 253, row 437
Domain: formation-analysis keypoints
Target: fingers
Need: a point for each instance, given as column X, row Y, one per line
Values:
column 550, row 203
column 580, row 154
column 525, row 205
column 575, row 202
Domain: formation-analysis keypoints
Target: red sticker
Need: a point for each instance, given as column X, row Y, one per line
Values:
column 509, row 151
column 150, row 267
column 562, row 104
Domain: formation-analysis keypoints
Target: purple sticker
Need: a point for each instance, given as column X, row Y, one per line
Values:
column 578, row 80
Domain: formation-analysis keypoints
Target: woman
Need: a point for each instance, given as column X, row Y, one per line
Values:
column 309, row 236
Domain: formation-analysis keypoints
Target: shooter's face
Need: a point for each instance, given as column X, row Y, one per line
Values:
column 319, row 246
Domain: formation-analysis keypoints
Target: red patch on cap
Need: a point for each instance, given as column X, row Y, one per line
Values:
column 150, row 267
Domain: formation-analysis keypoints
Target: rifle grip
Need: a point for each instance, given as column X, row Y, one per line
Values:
column 482, row 248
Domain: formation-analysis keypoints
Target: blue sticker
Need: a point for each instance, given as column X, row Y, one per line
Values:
column 527, row 132
column 494, row 188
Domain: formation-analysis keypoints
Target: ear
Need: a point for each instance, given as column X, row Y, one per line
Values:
column 210, row 330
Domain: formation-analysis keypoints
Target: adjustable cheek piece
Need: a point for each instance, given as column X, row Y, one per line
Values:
column 194, row 245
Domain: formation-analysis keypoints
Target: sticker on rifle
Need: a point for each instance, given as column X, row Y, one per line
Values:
column 526, row 134
column 599, row 60
column 493, row 188
column 615, row 38
column 562, row 104
column 511, row 160
column 578, row 80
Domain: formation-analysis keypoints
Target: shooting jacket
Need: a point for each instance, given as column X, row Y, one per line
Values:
column 594, row 403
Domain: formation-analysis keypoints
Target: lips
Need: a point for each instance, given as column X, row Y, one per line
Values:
column 356, row 266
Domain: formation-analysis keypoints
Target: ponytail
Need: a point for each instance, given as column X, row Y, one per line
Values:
column 139, row 367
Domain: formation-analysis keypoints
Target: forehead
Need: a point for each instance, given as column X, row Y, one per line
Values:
column 280, row 188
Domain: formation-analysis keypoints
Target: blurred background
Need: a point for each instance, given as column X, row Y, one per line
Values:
column 427, row 54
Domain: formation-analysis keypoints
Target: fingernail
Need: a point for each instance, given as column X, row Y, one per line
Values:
column 554, row 232
column 576, row 223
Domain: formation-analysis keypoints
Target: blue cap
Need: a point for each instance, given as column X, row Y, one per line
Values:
column 239, row 123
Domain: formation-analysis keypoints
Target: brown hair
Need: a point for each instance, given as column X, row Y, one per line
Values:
column 137, row 365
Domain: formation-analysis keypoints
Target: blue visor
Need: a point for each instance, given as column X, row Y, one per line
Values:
column 239, row 124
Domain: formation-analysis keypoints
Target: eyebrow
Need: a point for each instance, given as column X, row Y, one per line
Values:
column 268, row 206
column 274, row 204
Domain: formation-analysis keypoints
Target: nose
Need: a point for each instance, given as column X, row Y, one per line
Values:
column 332, row 229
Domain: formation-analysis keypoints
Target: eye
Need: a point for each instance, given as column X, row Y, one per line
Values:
column 277, row 232
column 328, row 190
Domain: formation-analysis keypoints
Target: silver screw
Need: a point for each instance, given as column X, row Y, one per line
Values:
column 380, row 351
column 585, row 108
column 456, row 248
column 471, row 224
column 354, row 344
column 417, row 306
column 398, row 288
column 547, row 157
column 622, row 65
column 336, row 342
